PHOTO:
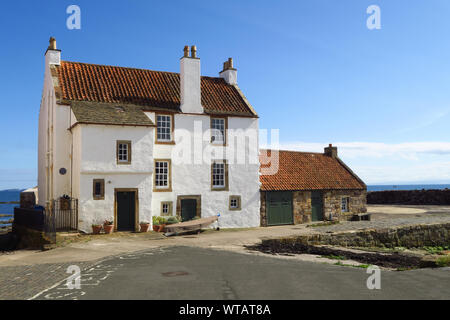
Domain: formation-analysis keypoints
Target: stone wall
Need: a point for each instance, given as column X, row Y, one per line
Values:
column 301, row 204
column 414, row 236
column 332, row 203
column 411, row 197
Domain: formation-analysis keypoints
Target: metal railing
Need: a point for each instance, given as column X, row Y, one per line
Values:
column 65, row 214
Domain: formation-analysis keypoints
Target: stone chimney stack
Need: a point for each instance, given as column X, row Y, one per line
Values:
column 52, row 55
column 190, row 88
column 331, row 151
column 229, row 74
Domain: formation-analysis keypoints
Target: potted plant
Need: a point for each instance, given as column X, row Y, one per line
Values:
column 108, row 225
column 172, row 220
column 96, row 228
column 162, row 224
column 155, row 221
column 144, row 226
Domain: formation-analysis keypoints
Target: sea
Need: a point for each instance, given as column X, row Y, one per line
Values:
column 8, row 208
column 389, row 187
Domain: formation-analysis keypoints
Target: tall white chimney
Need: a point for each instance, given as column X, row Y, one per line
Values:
column 52, row 55
column 229, row 74
column 191, row 96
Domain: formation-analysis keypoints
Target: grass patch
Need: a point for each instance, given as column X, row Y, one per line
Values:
column 334, row 257
column 322, row 224
column 436, row 250
column 443, row 261
column 363, row 266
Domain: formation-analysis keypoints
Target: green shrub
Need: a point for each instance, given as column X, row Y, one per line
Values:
column 172, row 220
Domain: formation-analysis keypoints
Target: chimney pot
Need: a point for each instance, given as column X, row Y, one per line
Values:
column 193, row 52
column 52, row 44
column 186, row 51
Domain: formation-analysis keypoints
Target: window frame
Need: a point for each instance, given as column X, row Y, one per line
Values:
column 225, row 186
column 102, row 189
column 172, row 126
column 239, row 203
column 129, row 152
column 347, row 204
column 170, row 209
column 225, row 129
column 169, row 176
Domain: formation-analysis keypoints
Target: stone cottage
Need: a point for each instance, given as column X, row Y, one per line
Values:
column 309, row 187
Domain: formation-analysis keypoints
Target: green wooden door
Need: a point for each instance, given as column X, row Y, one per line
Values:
column 317, row 206
column 188, row 209
column 126, row 206
column 279, row 208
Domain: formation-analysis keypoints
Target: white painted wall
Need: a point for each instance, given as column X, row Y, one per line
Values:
column 195, row 179
column 97, row 154
column 190, row 91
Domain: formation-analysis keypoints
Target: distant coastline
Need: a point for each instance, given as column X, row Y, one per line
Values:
column 404, row 187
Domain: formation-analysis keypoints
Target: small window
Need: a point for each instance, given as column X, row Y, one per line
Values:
column 344, row 204
column 163, row 128
column 166, row 209
column 123, row 152
column 219, row 175
column 162, row 175
column 235, row 203
column 218, row 130
column 98, row 189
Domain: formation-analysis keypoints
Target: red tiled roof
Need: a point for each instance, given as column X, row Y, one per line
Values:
column 308, row 171
column 153, row 89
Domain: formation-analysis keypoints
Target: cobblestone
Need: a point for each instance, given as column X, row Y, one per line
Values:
column 23, row 282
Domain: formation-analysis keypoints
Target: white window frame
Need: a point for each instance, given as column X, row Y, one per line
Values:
column 124, row 151
column 215, row 175
column 167, row 119
column 218, row 131
column 159, row 176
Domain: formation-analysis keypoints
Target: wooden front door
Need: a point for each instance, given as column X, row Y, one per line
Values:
column 188, row 209
column 316, row 206
column 126, row 210
column 279, row 208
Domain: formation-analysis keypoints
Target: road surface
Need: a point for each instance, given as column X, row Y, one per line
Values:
column 199, row 273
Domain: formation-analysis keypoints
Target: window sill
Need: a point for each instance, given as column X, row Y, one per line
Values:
column 165, row 142
column 220, row 189
column 162, row 190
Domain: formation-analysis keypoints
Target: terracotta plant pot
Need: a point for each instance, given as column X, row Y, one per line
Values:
column 144, row 227
column 108, row 228
column 96, row 229
column 155, row 227
column 161, row 227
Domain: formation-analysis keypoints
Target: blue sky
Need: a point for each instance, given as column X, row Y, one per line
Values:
column 310, row 68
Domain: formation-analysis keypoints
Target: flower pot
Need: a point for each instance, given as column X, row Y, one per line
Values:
column 144, row 227
column 108, row 228
column 155, row 227
column 96, row 229
column 161, row 228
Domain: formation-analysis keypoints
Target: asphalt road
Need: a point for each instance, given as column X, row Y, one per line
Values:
column 179, row 273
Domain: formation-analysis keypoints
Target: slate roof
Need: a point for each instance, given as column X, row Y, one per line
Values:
column 308, row 171
column 147, row 88
column 105, row 113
